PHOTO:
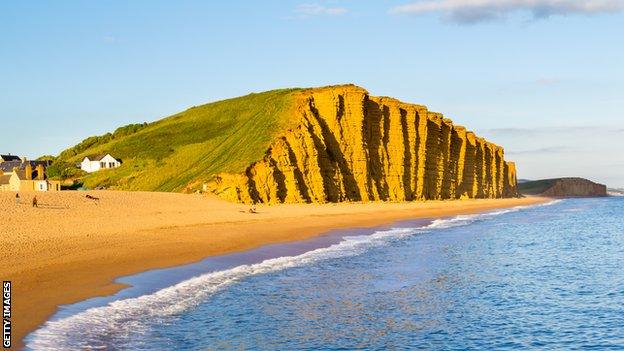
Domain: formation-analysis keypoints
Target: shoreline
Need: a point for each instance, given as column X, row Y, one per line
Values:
column 72, row 248
column 153, row 280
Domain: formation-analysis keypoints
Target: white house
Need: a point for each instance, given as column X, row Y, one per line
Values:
column 96, row 162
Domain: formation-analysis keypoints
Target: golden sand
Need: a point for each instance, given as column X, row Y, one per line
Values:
column 71, row 248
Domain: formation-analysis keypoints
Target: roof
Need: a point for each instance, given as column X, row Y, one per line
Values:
column 96, row 157
column 10, row 158
column 9, row 165
column 21, row 175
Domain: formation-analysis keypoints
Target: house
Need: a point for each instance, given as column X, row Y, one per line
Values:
column 28, row 179
column 97, row 162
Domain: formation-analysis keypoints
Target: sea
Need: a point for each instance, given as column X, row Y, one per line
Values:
column 543, row 277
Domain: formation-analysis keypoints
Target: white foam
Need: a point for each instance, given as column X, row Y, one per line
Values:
column 132, row 317
column 553, row 202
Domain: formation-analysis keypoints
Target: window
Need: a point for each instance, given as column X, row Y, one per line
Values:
column 111, row 165
column 102, row 164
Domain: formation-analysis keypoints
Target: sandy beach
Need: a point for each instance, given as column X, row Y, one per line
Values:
column 71, row 248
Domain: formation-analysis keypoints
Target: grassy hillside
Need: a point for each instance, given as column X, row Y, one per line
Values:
column 190, row 147
column 535, row 187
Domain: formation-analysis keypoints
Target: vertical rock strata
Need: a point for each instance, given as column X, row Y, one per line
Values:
column 349, row 146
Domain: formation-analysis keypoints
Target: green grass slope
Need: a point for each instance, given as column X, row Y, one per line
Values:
column 536, row 187
column 182, row 151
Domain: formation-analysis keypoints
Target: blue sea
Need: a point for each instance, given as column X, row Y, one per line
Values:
column 546, row 277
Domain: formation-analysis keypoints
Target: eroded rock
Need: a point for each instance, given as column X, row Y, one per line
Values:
column 349, row 146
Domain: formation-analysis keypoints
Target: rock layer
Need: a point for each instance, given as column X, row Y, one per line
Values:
column 349, row 146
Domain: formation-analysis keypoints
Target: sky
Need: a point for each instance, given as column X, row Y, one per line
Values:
column 542, row 78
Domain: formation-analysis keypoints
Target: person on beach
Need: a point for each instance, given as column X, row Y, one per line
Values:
column 34, row 202
column 17, row 199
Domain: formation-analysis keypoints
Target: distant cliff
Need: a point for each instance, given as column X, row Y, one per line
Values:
column 349, row 146
column 563, row 187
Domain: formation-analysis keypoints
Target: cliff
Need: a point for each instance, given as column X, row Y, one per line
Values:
column 302, row 145
column 564, row 187
column 345, row 145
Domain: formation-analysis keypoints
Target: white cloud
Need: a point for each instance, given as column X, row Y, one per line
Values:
column 308, row 10
column 474, row 11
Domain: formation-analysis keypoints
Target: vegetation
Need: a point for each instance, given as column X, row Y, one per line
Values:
column 182, row 151
column 76, row 185
column 63, row 170
column 46, row 158
column 535, row 187
column 95, row 141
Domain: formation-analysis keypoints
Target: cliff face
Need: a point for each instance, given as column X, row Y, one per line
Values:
column 565, row 187
column 349, row 146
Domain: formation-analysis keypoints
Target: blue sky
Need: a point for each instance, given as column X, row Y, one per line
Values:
column 543, row 78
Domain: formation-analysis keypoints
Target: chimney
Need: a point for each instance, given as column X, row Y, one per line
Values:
column 28, row 172
column 40, row 172
column 24, row 159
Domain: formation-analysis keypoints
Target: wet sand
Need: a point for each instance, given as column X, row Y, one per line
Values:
column 72, row 248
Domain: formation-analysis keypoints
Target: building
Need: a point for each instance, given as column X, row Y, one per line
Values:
column 19, row 174
column 97, row 162
column 28, row 179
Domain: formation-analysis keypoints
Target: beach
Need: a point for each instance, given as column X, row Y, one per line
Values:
column 71, row 248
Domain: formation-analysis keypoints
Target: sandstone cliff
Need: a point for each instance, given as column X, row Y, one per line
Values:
column 349, row 146
column 564, row 187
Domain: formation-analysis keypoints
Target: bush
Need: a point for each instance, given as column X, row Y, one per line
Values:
column 63, row 170
column 46, row 158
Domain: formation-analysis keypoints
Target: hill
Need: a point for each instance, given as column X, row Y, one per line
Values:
column 563, row 187
column 325, row 144
column 181, row 151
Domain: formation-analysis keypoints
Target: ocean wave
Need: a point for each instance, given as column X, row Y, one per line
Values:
column 119, row 320
column 550, row 203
